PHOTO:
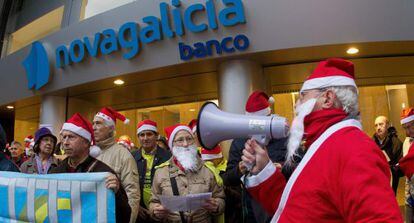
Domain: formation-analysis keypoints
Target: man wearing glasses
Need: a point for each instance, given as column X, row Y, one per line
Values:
column 185, row 174
column 148, row 156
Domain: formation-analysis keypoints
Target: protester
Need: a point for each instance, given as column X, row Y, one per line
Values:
column 215, row 161
column 162, row 142
column 258, row 103
column 343, row 176
column 407, row 122
column 126, row 142
column 43, row 159
column 27, row 145
column 148, row 156
column 116, row 156
column 185, row 174
column 386, row 138
column 77, row 135
column 5, row 163
column 17, row 153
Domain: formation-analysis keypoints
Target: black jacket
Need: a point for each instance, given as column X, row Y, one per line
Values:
column 391, row 145
column 5, row 163
column 123, row 210
column 277, row 153
column 161, row 156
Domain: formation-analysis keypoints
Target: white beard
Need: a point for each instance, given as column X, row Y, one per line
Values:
column 187, row 157
column 297, row 129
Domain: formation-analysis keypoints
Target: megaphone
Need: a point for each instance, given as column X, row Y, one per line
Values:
column 215, row 126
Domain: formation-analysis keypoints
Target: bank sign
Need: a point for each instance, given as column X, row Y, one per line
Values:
column 130, row 37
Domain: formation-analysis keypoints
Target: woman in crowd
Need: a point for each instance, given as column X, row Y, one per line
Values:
column 43, row 159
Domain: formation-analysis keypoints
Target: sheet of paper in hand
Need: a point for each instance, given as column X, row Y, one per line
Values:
column 74, row 197
column 189, row 202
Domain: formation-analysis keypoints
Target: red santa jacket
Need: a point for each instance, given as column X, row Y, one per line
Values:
column 343, row 177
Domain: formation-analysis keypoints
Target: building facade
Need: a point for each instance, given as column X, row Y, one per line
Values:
column 63, row 56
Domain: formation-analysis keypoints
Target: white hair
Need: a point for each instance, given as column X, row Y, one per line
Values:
column 347, row 100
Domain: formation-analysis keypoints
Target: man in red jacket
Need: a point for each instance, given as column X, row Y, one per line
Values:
column 343, row 176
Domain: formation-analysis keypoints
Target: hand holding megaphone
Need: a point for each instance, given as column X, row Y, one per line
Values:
column 255, row 155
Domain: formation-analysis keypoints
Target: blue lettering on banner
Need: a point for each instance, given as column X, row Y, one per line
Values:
column 173, row 21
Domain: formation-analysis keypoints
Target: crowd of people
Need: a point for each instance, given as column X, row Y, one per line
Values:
column 327, row 170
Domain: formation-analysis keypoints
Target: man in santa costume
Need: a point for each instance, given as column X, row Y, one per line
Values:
column 407, row 122
column 116, row 156
column 343, row 176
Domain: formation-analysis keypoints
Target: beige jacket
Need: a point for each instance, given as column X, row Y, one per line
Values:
column 122, row 162
column 188, row 183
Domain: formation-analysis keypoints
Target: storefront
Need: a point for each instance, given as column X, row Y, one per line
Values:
column 172, row 56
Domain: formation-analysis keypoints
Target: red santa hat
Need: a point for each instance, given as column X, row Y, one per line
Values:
column 80, row 126
column 29, row 139
column 211, row 154
column 110, row 115
column 125, row 141
column 259, row 103
column 193, row 125
column 407, row 115
column 146, row 125
column 171, row 131
column 329, row 73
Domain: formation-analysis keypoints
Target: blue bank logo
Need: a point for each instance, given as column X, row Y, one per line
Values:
column 37, row 67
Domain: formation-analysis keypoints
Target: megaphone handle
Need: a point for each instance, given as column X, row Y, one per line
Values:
column 261, row 140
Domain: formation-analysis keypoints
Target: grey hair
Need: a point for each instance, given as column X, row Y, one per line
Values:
column 347, row 99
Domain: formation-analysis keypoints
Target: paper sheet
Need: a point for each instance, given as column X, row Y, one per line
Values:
column 189, row 202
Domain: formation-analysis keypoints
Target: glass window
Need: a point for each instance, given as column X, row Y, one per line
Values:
column 386, row 100
column 94, row 7
column 164, row 116
column 37, row 29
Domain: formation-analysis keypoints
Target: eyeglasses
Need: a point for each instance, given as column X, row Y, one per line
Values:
column 180, row 141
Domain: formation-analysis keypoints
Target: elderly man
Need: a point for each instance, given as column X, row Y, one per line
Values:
column 116, row 156
column 148, row 156
column 17, row 153
column 185, row 174
column 387, row 139
column 343, row 176
column 77, row 135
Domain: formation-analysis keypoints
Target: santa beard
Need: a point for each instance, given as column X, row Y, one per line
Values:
column 297, row 130
column 187, row 157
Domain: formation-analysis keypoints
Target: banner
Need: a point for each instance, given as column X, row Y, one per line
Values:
column 69, row 197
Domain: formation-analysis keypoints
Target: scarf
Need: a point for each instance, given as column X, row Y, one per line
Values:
column 42, row 169
column 317, row 122
column 106, row 143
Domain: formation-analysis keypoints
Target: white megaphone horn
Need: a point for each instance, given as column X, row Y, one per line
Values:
column 215, row 126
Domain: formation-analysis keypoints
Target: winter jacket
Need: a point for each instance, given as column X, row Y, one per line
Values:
column 391, row 145
column 161, row 156
column 202, row 181
column 30, row 165
column 121, row 161
column 6, row 164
